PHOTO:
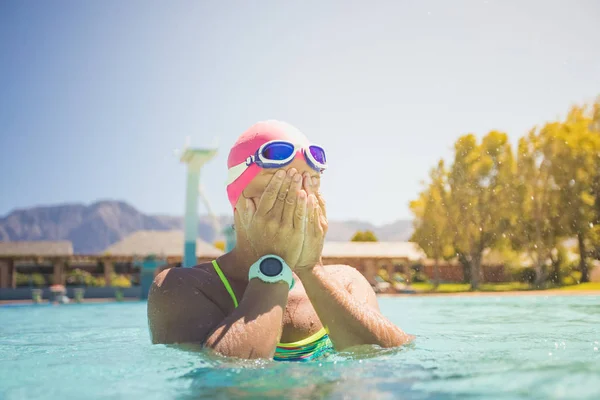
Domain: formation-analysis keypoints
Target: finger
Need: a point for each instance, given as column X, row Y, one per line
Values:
column 269, row 197
column 277, row 210
column 312, row 215
column 307, row 183
column 323, row 225
column 291, row 201
column 237, row 213
column 322, row 204
column 241, row 210
column 316, row 183
column 250, row 210
column 300, row 212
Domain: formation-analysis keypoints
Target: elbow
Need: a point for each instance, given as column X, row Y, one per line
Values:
column 400, row 339
column 242, row 353
column 394, row 339
column 226, row 348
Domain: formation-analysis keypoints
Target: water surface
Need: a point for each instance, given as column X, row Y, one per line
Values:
column 527, row 347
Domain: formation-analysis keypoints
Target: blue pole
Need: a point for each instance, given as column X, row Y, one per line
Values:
column 148, row 267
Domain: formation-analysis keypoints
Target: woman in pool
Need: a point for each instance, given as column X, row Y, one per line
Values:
column 271, row 297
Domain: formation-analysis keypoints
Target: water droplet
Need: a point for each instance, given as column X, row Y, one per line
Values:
column 595, row 349
column 320, row 364
column 591, row 224
column 550, row 354
column 531, row 197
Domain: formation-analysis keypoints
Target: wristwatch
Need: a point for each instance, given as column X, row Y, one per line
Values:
column 272, row 269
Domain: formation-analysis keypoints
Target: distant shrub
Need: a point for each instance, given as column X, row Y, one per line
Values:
column 23, row 279
column 524, row 275
column 366, row 236
column 419, row 277
column 383, row 274
column 120, row 281
column 79, row 277
column 36, row 279
column 574, row 278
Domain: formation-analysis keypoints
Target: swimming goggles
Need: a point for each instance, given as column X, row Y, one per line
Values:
column 277, row 154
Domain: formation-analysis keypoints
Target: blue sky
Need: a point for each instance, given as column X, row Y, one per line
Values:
column 96, row 95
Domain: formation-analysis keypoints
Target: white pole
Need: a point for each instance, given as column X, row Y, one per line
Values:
column 191, row 216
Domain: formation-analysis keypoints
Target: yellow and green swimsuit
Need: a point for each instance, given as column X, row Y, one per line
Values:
column 302, row 350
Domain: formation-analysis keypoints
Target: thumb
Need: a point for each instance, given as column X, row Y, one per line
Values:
column 322, row 204
column 250, row 210
column 243, row 212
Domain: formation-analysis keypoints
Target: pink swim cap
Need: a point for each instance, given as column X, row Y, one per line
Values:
column 250, row 141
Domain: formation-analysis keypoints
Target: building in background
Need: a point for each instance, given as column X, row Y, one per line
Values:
column 371, row 257
column 43, row 257
column 154, row 250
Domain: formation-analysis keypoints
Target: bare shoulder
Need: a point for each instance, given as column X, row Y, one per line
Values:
column 175, row 282
column 174, row 301
column 177, row 276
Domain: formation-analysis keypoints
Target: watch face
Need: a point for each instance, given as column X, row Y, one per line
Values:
column 271, row 266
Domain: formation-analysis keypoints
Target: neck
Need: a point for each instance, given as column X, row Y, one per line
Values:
column 237, row 262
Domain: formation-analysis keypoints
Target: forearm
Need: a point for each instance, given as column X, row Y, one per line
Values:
column 254, row 328
column 349, row 322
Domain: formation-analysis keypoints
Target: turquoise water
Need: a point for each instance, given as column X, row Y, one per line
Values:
column 487, row 347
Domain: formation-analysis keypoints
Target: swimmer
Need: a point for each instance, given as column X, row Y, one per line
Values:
column 271, row 296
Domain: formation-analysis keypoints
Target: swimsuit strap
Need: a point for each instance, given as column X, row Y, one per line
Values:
column 225, row 282
column 304, row 349
column 309, row 340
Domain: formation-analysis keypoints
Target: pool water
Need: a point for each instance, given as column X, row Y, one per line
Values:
column 526, row 347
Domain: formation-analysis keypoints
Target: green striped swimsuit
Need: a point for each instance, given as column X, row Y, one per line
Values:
column 303, row 350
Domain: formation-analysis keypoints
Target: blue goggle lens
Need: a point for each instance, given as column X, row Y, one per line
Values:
column 278, row 151
column 318, row 154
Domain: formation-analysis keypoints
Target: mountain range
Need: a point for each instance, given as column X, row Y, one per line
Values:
column 92, row 228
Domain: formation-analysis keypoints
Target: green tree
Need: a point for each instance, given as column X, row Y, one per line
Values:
column 595, row 231
column 577, row 147
column 481, row 197
column 366, row 236
column 539, row 227
column 431, row 222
